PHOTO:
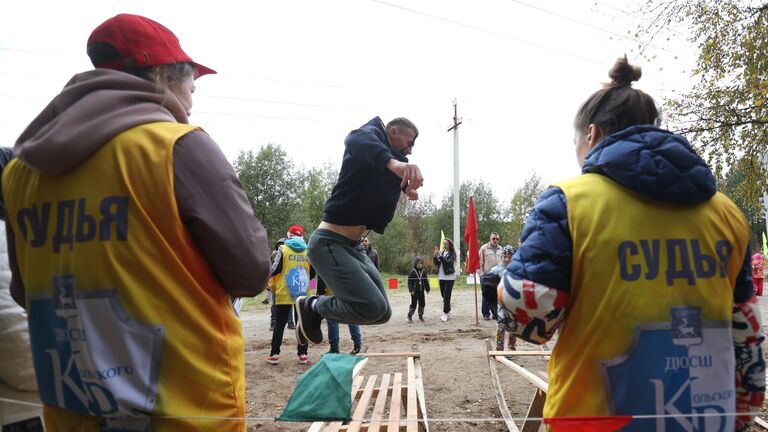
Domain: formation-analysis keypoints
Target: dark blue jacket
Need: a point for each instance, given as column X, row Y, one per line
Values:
column 651, row 161
column 366, row 192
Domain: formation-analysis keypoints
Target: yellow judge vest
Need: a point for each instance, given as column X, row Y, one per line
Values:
column 125, row 316
column 293, row 280
column 648, row 330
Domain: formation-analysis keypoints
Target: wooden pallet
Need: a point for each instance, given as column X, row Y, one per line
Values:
column 539, row 380
column 398, row 400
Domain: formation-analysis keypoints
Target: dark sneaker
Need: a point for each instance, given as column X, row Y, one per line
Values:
column 307, row 322
column 355, row 350
column 486, row 318
column 421, row 318
column 291, row 326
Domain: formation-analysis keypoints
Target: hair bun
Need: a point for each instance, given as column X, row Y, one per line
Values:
column 623, row 74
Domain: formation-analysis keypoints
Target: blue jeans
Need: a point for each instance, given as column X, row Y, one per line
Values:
column 333, row 335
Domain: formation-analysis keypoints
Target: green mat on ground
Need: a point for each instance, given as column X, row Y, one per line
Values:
column 323, row 392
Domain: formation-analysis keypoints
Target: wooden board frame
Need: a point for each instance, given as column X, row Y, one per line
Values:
column 387, row 403
column 535, row 409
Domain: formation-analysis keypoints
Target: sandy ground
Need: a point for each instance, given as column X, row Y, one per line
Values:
column 457, row 381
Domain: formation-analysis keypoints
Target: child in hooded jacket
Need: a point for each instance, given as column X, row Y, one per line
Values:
column 417, row 285
column 502, row 319
column 758, row 272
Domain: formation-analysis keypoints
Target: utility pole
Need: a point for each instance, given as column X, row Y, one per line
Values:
column 456, row 186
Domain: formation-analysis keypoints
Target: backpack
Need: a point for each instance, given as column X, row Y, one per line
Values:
column 489, row 281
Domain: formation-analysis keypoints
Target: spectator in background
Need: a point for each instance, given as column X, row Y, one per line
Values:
column 418, row 284
column 501, row 329
column 490, row 256
column 333, row 326
column 758, row 272
column 445, row 261
column 372, row 253
column 292, row 272
column 271, row 288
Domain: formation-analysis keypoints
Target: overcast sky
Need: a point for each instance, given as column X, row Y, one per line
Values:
column 303, row 73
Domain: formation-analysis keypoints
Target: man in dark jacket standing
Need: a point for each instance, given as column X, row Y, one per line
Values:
column 372, row 253
column 374, row 171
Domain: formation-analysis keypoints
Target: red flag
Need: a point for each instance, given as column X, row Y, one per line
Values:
column 470, row 236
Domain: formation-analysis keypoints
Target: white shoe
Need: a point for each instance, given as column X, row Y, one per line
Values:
column 444, row 318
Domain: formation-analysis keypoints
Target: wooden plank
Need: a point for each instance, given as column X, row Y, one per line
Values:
column 381, row 403
column 538, row 382
column 411, row 407
column 391, row 354
column 357, row 382
column 413, row 399
column 505, row 414
column 424, row 424
column 520, row 353
column 362, row 405
column 761, row 422
column 394, row 404
column 316, row 427
column 535, row 410
column 333, row 426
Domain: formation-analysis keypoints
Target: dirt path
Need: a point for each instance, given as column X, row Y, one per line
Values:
column 456, row 376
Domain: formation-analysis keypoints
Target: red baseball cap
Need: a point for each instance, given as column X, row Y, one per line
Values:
column 296, row 230
column 141, row 43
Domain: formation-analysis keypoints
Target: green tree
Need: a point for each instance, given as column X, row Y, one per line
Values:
column 487, row 209
column 725, row 114
column 315, row 188
column 417, row 216
column 735, row 181
column 270, row 180
column 395, row 245
column 520, row 207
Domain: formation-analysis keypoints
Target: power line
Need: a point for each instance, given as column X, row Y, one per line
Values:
column 586, row 24
column 233, row 75
column 522, row 41
column 494, row 33
column 245, row 99
column 268, row 117
column 491, row 32
column 41, row 53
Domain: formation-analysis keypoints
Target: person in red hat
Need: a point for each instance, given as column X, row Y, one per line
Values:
column 292, row 272
column 129, row 232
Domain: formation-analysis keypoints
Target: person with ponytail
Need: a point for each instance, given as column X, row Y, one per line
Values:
column 643, row 267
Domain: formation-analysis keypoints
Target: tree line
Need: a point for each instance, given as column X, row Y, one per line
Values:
column 283, row 193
